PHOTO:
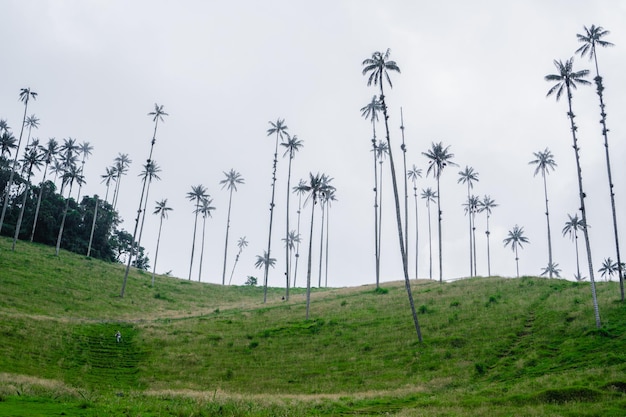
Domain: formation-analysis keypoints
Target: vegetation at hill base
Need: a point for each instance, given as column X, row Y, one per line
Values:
column 492, row 346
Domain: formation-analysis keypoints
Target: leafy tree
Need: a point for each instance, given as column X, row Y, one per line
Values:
column 544, row 161
column 25, row 95
column 280, row 129
column 590, row 39
column 413, row 174
column 429, row 195
column 230, row 182
column 196, row 195
column 292, row 145
column 567, row 80
column 438, row 158
column 251, row 281
column 486, row 205
column 49, row 152
column 572, row 226
column 161, row 209
column 469, row 176
column 376, row 68
column 241, row 244
column 371, row 111
column 516, row 238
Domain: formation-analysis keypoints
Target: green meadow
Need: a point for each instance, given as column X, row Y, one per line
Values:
column 492, row 346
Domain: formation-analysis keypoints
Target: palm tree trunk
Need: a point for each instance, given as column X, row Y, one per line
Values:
column 430, row 244
column 319, row 282
column 202, row 248
column 287, row 243
column 93, row 225
column 439, row 232
column 469, row 215
column 582, row 209
column 474, row 240
column 295, row 270
column 18, row 226
column 405, row 267
column 143, row 215
column 516, row 261
column 545, row 192
column 269, row 236
column 577, row 256
column 156, row 254
column 308, row 273
column 32, row 232
column 488, row 251
column 376, row 251
column 230, row 200
column 326, row 249
column 416, row 233
column 406, row 193
column 193, row 242
column 67, row 205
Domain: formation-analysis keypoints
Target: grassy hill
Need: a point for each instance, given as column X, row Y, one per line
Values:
column 492, row 346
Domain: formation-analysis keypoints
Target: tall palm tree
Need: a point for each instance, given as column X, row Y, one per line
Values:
column 72, row 175
column 376, row 69
column 68, row 153
column 567, row 80
column 486, row 205
column 7, row 142
column 317, row 184
column 429, row 195
column 280, row 129
column 108, row 177
column 292, row 145
column 413, row 174
column 241, row 244
column 31, row 122
column 150, row 172
column 49, row 153
column 230, row 182
column 25, row 95
column 406, row 192
column 264, row 261
column 161, row 209
column 32, row 158
column 471, row 208
column 544, row 161
column 572, row 226
column 590, row 39
column 205, row 209
column 121, row 163
column 552, row 270
column 292, row 239
column 196, row 195
column 381, row 150
column 438, row 158
column 84, row 149
column 469, row 176
column 93, row 223
column 609, row 267
column 516, row 238
column 301, row 190
column 329, row 196
column 370, row 111
column 325, row 197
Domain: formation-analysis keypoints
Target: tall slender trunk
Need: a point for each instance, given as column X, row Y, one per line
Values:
column 405, row 268
column 287, row 243
column 7, row 191
column 439, row 231
column 326, row 249
column 577, row 256
column 488, row 249
column 295, row 270
column 230, row 200
column 582, row 196
column 93, row 225
column 469, row 216
column 430, row 244
column 322, row 204
column 545, row 192
column 143, row 215
column 380, row 210
column 516, row 261
column 269, row 235
column 202, row 247
column 156, row 254
column 376, row 247
column 67, row 205
column 193, row 242
column 308, row 273
column 416, row 232
column 474, row 240
column 406, row 193
column 32, row 232
column 21, row 216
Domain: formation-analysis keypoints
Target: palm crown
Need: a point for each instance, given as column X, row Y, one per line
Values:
column 566, row 78
column 378, row 66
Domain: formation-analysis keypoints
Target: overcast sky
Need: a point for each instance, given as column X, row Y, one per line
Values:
column 472, row 77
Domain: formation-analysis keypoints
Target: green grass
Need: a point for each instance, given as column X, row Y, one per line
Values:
column 492, row 346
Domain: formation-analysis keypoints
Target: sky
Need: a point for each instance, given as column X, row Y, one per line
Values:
column 472, row 77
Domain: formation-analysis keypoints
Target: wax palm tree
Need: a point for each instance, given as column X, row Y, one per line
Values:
column 486, row 205
column 280, row 129
column 609, row 267
column 264, row 261
column 70, row 176
column 68, row 153
column 57, row 169
column 32, row 158
column 150, row 172
column 241, row 244
column 471, row 208
column 84, row 149
column 329, row 196
column 291, row 145
column 516, row 239
column 25, row 95
column 108, row 177
column 121, row 163
column 7, row 142
column 292, row 239
column 551, row 270
column 230, row 182
column 93, row 223
column 48, row 153
column 301, row 190
column 377, row 68
column 32, row 122
column 469, row 176
column 544, row 161
column 572, row 226
column 370, row 111
column 566, row 80
column 430, row 197
column 590, row 39
column 162, row 210
column 413, row 174
column 196, row 195
column 381, row 150
column 205, row 209
column 438, row 158
column 406, row 192
column 317, row 184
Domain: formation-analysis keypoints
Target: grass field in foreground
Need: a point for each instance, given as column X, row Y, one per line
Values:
column 492, row 346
